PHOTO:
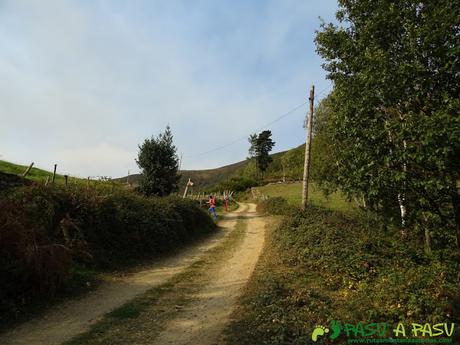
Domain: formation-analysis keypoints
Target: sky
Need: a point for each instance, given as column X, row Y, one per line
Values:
column 83, row 83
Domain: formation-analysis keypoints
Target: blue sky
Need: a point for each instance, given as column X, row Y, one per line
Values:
column 85, row 82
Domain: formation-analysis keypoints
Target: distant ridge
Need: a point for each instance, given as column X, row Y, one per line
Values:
column 204, row 178
column 200, row 178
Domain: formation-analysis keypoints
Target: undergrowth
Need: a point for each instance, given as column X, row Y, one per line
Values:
column 51, row 238
column 275, row 206
column 320, row 265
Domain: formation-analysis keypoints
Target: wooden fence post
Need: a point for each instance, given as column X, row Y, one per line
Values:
column 28, row 169
column 54, row 173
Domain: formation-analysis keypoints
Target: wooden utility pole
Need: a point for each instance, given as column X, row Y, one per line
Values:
column 306, row 167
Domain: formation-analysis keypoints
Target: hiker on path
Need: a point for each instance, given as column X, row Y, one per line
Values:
column 212, row 206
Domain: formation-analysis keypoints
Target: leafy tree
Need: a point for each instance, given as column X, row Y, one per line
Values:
column 261, row 146
column 323, row 162
column 249, row 170
column 395, row 136
column 253, row 144
column 293, row 162
column 159, row 165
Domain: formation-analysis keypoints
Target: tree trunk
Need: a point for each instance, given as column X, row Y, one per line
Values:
column 456, row 207
column 427, row 241
column 402, row 208
column 402, row 196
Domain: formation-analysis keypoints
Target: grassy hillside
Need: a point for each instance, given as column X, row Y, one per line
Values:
column 292, row 192
column 8, row 169
column 207, row 178
column 36, row 174
column 202, row 179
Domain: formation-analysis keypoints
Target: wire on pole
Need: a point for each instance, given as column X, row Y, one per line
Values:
column 244, row 138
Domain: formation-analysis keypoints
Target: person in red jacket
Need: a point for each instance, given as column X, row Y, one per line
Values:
column 212, row 206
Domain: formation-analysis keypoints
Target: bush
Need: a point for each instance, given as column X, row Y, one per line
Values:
column 236, row 184
column 275, row 206
column 46, row 231
column 320, row 266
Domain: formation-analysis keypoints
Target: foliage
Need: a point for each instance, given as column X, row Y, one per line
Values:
column 249, row 170
column 252, row 145
column 236, row 184
column 292, row 192
column 260, row 148
column 323, row 166
column 8, row 181
column 394, row 129
column 275, row 206
column 320, row 266
column 293, row 162
column 45, row 232
column 159, row 165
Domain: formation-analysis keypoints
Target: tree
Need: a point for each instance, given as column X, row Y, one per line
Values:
column 293, row 161
column 395, row 125
column 253, row 144
column 159, row 165
column 260, row 148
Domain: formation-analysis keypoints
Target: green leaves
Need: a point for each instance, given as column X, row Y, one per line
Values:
column 159, row 166
column 261, row 146
column 391, row 125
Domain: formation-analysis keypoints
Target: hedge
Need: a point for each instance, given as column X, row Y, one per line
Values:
column 45, row 232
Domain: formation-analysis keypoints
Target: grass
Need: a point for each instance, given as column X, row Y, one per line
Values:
column 35, row 174
column 140, row 320
column 40, row 175
column 292, row 192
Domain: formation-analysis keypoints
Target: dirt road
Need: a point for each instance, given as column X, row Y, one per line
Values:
column 199, row 323
column 203, row 321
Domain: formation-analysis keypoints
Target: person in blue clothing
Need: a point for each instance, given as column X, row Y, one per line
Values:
column 212, row 206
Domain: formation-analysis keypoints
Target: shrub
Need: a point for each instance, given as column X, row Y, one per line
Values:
column 320, row 265
column 236, row 184
column 46, row 231
column 275, row 206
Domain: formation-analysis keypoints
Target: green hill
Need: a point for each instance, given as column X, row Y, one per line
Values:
column 207, row 178
column 11, row 175
column 202, row 179
column 35, row 174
